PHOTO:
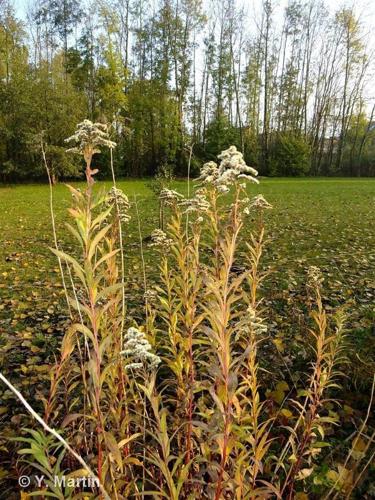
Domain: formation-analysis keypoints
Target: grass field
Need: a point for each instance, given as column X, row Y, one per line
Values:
column 323, row 222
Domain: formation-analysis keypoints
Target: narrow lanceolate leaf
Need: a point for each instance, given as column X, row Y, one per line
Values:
column 74, row 416
column 99, row 198
column 106, row 257
column 75, row 233
column 100, row 218
column 67, row 343
column 78, row 306
column 76, row 214
column 98, row 237
column 78, row 194
column 79, row 327
column 76, row 266
column 125, row 441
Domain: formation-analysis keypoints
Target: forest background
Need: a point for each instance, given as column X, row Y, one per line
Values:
column 288, row 83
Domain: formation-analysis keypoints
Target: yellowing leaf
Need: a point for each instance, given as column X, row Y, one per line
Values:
column 359, row 447
column 348, row 410
column 304, row 473
column 287, row 413
column 301, row 496
column 359, row 444
column 282, row 386
column 280, row 346
column 345, row 475
column 78, row 473
column 332, row 475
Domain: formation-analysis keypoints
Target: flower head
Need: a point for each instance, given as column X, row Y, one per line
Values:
column 209, row 172
column 252, row 323
column 160, row 239
column 169, row 196
column 260, row 202
column 150, row 295
column 314, row 277
column 255, row 322
column 197, row 204
column 116, row 197
column 232, row 167
column 223, row 188
column 90, row 136
column 138, row 350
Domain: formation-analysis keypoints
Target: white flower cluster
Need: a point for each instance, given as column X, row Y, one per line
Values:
column 209, row 172
column 160, row 239
column 169, row 196
column 197, row 204
column 116, row 195
column 223, row 188
column 232, row 168
column 138, row 349
column 251, row 323
column 255, row 322
column 89, row 135
column 314, row 276
column 258, row 202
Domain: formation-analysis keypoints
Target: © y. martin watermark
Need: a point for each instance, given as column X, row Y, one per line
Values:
column 59, row 481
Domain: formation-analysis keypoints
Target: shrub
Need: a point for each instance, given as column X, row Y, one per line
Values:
column 290, row 156
column 220, row 134
column 60, row 164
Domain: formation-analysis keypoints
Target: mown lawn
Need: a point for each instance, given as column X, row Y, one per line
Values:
column 323, row 222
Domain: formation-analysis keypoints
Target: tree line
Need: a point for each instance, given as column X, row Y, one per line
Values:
column 289, row 88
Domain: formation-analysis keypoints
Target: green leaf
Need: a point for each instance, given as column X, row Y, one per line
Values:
column 94, row 243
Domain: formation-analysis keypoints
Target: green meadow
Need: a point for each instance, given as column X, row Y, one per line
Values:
column 324, row 222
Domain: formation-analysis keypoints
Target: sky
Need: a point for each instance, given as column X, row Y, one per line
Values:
column 365, row 8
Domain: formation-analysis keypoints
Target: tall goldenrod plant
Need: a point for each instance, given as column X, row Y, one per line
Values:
column 98, row 297
column 191, row 421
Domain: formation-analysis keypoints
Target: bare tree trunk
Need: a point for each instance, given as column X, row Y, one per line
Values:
column 267, row 12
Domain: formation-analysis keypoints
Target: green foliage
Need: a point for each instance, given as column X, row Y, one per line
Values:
column 138, row 68
column 359, row 148
column 154, row 137
column 290, row 155
column 220, row 134
column 162, row 179
column 252, row 150
column 33, row 102
column 110, row 82
column 45, row 456
column 60, row 164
